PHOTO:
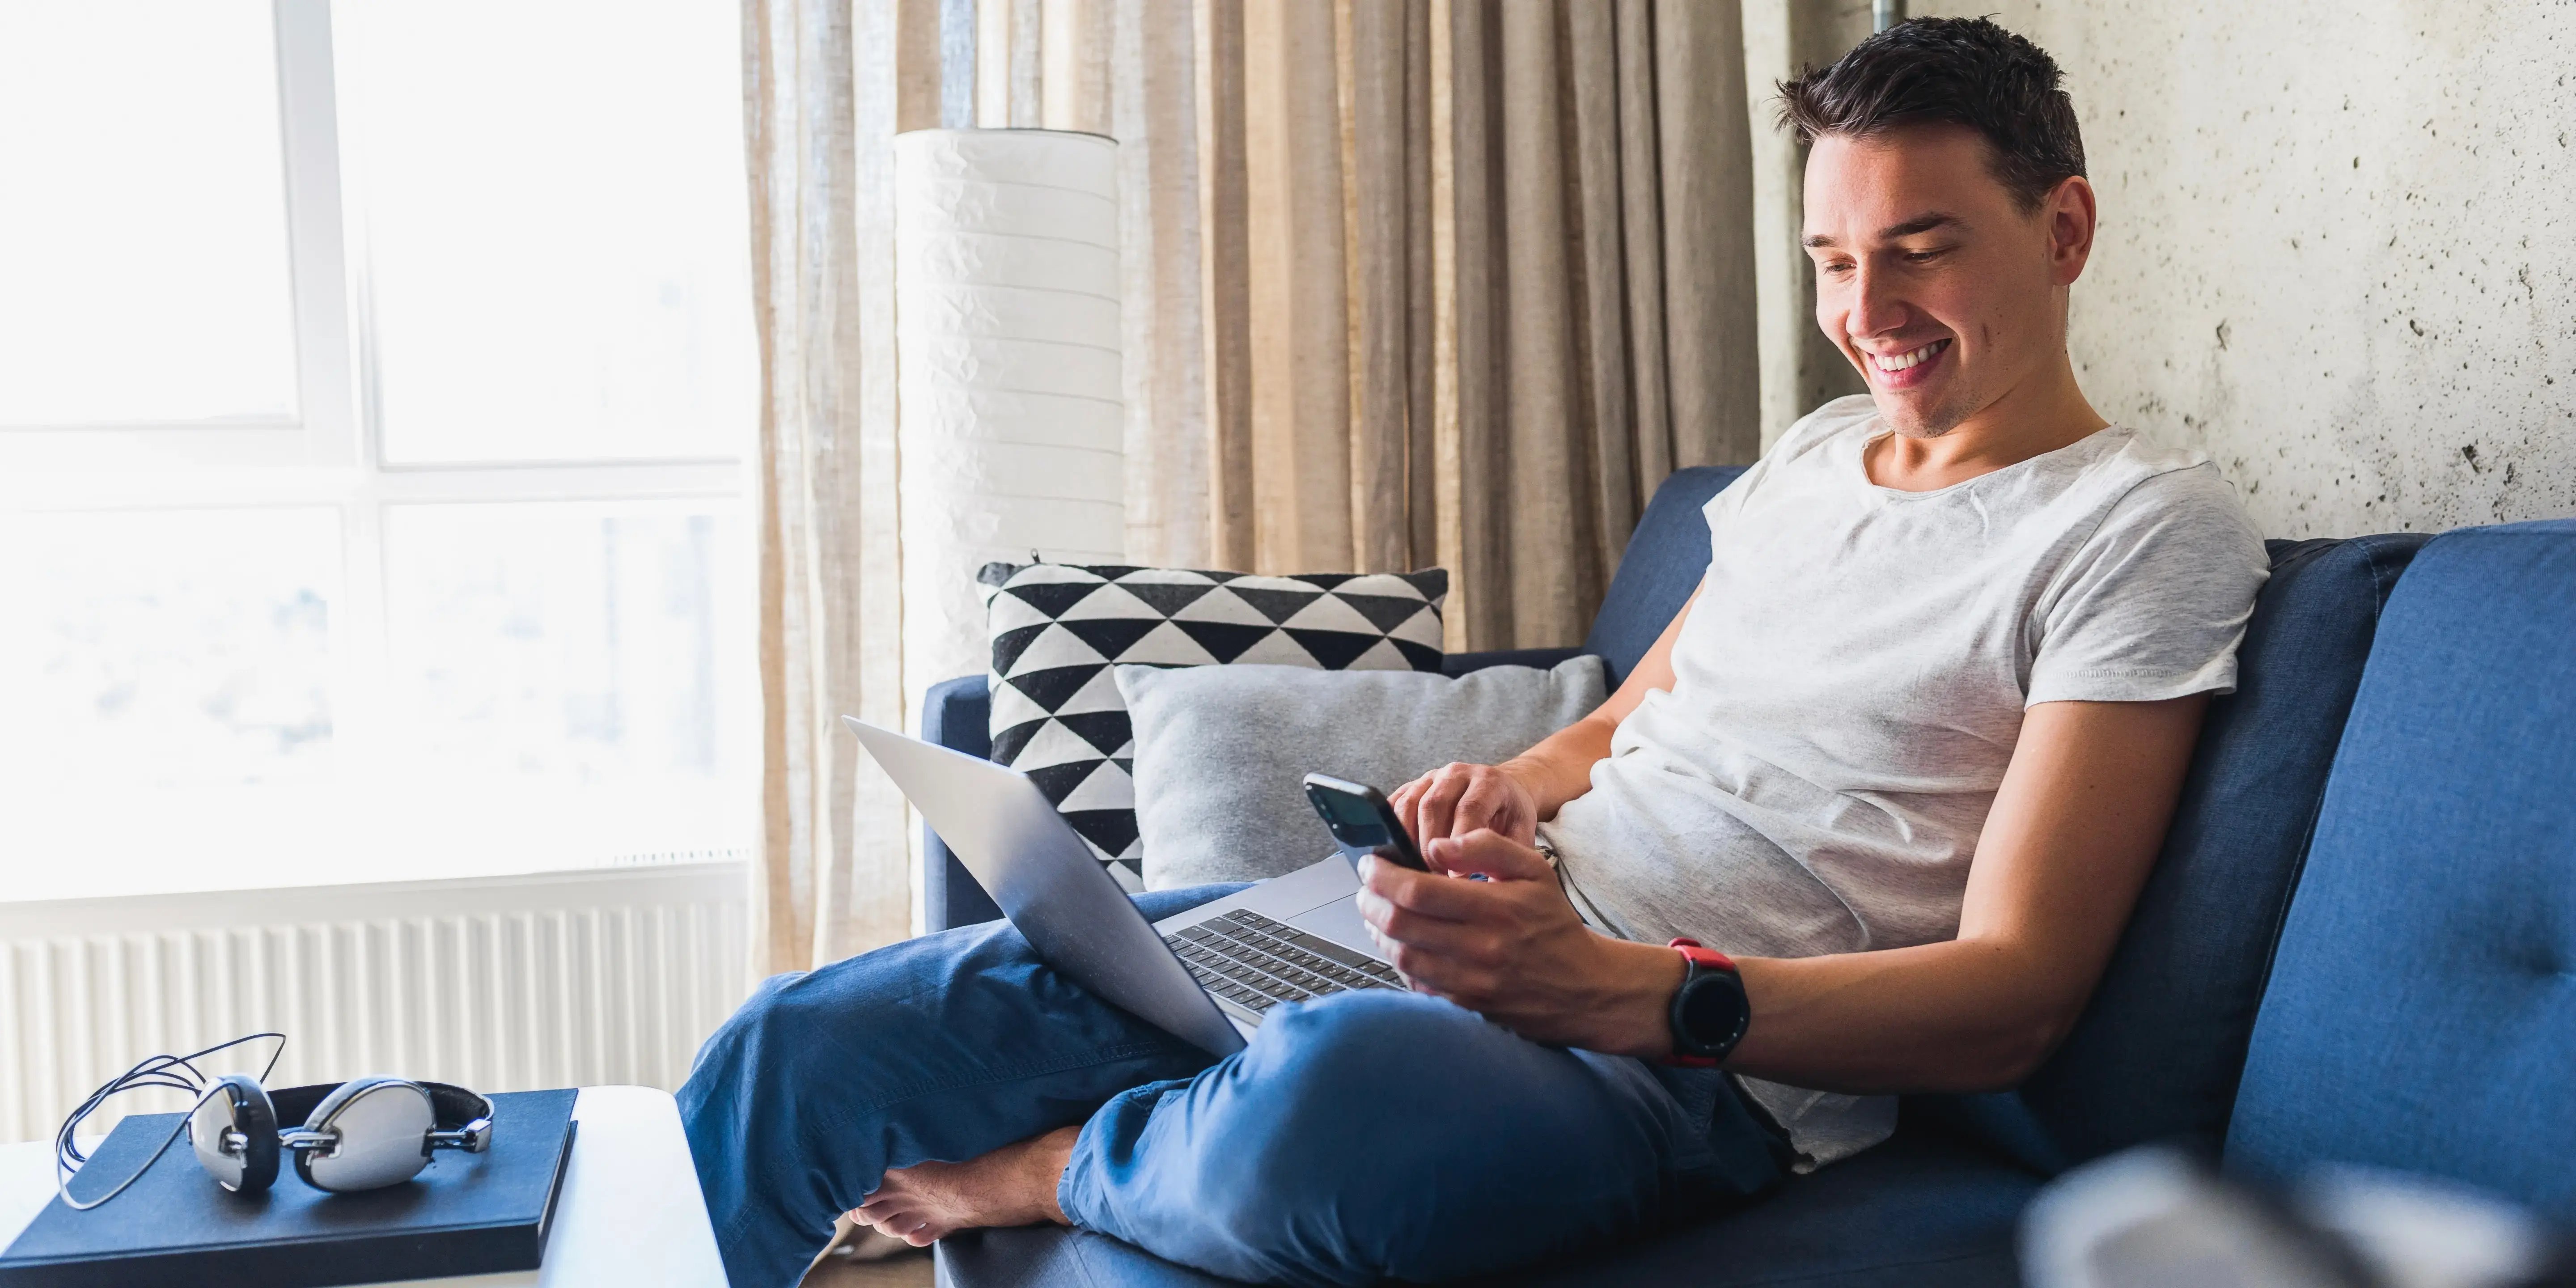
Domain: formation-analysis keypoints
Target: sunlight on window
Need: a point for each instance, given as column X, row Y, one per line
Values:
column 167, row 682
column 272, row 658
column 553, row 211
column 561, row 687
column 143, row 253
column 561, row 690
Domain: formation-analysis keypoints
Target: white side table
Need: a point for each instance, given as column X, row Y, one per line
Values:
column 630, row 1215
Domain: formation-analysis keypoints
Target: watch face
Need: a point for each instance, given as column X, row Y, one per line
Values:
column 1713, row 1012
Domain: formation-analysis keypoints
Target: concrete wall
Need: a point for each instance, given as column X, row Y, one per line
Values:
column 1800, row 368
column 2338, row 246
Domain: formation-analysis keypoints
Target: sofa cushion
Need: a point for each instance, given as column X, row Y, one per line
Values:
column 2422, row 1008
column 1920, row 1211
column 2156, row 1053
column 1222, row 751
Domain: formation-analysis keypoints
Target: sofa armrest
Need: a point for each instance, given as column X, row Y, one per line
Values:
column 956, row 714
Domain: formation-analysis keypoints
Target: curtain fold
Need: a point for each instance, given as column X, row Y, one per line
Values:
column 821, row 104
column 1407, row 282
column 1534, row 300
column 1152, row 86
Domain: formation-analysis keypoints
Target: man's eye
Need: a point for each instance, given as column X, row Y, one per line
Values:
column 1921, row 256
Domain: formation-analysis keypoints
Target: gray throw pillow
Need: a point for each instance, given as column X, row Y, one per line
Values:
column 1222, row 751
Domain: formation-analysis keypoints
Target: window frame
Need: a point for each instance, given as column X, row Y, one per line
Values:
column 330, row 453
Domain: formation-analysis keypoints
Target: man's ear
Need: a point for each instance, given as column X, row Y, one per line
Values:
column 2070, row 212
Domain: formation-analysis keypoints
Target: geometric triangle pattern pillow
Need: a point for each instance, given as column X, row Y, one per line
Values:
column 1057, row 629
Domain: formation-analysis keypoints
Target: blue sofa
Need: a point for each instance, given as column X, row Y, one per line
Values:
column 2414, row 1006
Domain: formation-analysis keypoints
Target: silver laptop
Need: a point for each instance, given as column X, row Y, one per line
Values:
column 1206, row 975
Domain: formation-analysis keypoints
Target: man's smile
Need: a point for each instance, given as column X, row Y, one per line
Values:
column 1907, row 369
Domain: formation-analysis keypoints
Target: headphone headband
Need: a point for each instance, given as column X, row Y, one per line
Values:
column 455, row 1107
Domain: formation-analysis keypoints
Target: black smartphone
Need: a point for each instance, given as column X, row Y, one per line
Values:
column 1362, row 821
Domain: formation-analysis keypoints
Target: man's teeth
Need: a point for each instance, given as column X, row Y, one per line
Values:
column 1903, row 360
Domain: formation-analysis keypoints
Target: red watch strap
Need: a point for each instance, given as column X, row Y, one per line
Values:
column 1706, row 959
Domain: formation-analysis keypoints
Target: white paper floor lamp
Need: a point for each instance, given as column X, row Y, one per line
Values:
column 1007, row 339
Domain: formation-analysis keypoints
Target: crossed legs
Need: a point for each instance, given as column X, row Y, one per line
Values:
column 953, row 1080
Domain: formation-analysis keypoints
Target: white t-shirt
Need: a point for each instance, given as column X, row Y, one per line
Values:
column 1849, row 688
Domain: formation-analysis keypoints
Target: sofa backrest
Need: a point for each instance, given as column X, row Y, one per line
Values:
column 1663, row 564
column 2157, row 1052
column 2422, row 1006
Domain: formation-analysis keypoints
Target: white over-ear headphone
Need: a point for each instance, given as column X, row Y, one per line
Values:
column 363, row 1134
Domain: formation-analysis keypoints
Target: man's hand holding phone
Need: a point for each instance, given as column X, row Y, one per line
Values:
column 1476, row 916
column 1510, row 947
column 1457, row 799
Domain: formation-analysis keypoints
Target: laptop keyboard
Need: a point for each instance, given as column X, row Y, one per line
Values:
column 1257, row 963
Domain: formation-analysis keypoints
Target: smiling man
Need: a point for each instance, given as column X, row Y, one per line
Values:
column 1901, row 765
column 1909, row 752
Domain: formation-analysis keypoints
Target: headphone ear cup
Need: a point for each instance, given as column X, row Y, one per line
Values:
column 321, row 1119
column 238, row 1104
column 340, row 1095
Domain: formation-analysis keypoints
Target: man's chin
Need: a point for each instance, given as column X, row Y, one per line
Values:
column 1911, row 415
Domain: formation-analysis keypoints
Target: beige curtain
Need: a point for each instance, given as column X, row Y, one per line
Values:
column 1477, row 276
column 1603, row 296
column 1408, row 282
column 1424, row 281
column 821, row 106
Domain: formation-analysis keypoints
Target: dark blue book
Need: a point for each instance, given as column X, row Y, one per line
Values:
column 466, row 1214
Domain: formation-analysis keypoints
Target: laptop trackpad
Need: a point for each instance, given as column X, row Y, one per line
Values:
column 1338, row 921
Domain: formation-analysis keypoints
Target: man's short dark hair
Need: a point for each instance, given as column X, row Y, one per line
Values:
column 1960, row 71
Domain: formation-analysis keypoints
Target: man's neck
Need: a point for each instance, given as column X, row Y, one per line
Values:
column 2035, row 418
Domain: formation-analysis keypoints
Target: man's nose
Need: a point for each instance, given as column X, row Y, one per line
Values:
column 1875, row 307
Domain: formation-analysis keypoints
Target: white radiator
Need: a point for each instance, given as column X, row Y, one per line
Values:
column 499, row 984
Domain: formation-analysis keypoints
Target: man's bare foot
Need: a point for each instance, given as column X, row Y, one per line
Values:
column 1013, row 1185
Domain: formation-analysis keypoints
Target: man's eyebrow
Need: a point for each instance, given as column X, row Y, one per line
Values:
column 1922, row 223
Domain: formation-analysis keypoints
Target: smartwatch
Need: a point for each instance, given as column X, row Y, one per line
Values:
column 1709, row 1011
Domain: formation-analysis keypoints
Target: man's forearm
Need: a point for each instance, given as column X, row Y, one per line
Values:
column 2066, row 847
column 1955, row 1016
column 1961, row 1015
column 1559, row 768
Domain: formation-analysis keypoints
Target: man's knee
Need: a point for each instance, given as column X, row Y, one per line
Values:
column 1349, row 1098
column 1353, row 1057
column 1225, row 1172
column 835, row 1024
column 1408, row 1119
column 745, row 1065
column 760, row 1034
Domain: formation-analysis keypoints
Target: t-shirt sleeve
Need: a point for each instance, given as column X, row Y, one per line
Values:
column 2154, row 605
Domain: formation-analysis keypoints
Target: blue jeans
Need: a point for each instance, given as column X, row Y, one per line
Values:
column 1360, row 1136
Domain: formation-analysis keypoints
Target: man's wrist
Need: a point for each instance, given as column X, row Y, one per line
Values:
column 1532, row 777
column 1638, row 1019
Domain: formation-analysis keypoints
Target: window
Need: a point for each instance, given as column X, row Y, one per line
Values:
column 375, row 383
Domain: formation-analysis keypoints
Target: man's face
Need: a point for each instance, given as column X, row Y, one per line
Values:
column 1938, row 286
